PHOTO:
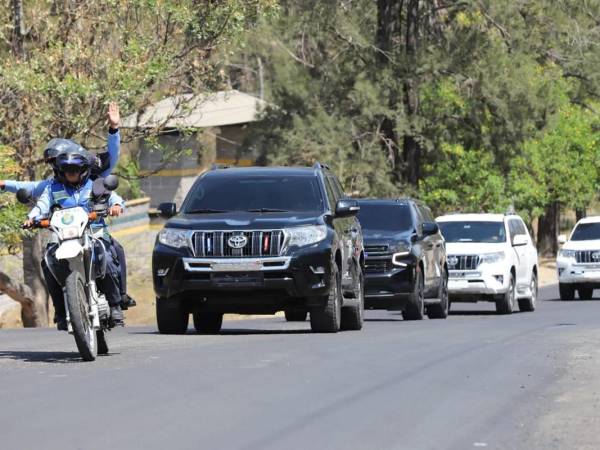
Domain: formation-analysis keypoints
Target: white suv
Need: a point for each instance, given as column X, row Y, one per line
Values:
column 491, row 257
column 578, row 261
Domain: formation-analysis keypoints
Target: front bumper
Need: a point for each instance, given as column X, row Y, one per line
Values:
column 493, row 280
column 389, row 290
column 571, row 272
column 246, row 284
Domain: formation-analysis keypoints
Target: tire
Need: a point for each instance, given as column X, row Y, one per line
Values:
column 353, row 316
column 208, row 323
column 585, row 293
column 327, row 318
column 528, row 304
column 415, row 308
column 440, row 310
column 293, row 315
column 506, row 303
column 171, row 318
column 566, row 291
column 77, row 303
column 102, row 344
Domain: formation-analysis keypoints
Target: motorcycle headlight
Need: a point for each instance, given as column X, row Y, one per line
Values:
column 175, row 238
column 567, row 254
column 69, row 233
column 490, row 258
column 303, row 236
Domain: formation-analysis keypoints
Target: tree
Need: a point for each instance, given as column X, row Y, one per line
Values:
column 61, row 62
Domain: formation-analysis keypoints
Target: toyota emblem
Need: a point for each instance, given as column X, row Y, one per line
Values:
column 452, row 260
column 237, row 241
column 596, row 256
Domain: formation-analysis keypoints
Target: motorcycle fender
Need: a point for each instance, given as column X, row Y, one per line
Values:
column 69, row 249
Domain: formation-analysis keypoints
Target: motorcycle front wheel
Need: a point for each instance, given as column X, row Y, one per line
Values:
column 83, row 330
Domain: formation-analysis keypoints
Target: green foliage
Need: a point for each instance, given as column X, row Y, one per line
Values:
column 464, row 181
column 11, row 213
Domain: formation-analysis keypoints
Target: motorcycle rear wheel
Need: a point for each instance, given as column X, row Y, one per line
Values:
column 83, row 330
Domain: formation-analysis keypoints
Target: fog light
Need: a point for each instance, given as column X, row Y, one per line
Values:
column 162, row 272
column 318, row 270
column 499, row 278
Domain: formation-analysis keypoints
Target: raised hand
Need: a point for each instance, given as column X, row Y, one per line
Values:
column 114, row 116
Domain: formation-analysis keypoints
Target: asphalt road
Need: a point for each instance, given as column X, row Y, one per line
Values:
column 476, row 380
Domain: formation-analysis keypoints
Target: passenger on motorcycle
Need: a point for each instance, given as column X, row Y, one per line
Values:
column 73, row 187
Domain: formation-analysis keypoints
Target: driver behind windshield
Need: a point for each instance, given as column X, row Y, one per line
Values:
column 73, row 187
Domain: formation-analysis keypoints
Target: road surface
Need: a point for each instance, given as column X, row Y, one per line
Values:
column 476, row 380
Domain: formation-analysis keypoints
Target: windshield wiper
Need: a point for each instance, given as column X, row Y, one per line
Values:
column 206, row 211
column 267, row 210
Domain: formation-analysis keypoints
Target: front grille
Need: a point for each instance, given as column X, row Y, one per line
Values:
column 378, row 265
column 376, row 249
column 258, row 243
column 588, row 256
column 463, row 262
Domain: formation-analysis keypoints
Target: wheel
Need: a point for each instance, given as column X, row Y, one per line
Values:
column 440, row 310
column 506, row 303
column 415, row 308
column 528, row 304
column 102, row 344
column 566, row 291
column 327, row 318
column 293, row 315
column 83, row 330
column 208, row 322
column 352, row 316
column 585, row 293
column 171, row 317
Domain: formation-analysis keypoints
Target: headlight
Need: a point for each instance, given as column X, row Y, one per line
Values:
column 302, row 236
column 567, row 254
column 490, row 258
column 69, row 233
column 173, row 237
column 401, row 254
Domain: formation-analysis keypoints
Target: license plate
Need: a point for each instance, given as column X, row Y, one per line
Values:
column 230, row 266
column 238, row 280
column 463, row 275
column 459, row 284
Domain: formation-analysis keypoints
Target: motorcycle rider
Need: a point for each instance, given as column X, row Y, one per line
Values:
column 102, row 164
column 73, row 187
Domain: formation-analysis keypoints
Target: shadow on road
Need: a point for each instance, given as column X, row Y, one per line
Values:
column 48, row 357
column 232, row 332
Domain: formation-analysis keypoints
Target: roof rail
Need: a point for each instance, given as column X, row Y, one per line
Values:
column 215, row 166
column 319, row 165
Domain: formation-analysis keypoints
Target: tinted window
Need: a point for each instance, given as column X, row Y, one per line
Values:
column 330, row 194
column 289, row 193
column 396, row 218
column 472, row 231
column 586, row 232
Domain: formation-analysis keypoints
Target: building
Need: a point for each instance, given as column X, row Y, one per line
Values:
column 201, row 129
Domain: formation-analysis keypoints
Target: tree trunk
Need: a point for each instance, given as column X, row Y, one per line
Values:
column 33, row 252
column 547, row 243
column 411, row 147
column 18, row 36
column 580, row 213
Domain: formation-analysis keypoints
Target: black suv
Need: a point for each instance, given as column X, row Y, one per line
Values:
column 405, row 259
column 258, row 241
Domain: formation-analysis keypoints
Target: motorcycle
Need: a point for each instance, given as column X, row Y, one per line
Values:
column 78, row 260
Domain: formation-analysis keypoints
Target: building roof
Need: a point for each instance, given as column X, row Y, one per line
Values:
column 199, row 111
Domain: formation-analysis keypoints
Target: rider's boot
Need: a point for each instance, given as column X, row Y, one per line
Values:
column 116, row 316
column 61, row 323
column 127, row 302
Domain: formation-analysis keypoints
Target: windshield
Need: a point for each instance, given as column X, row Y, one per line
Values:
column 255, row 193
column 484, row 232
column 380, row 217
column 586, row 232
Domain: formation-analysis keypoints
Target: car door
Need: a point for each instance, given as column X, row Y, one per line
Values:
column 516, row 227
column 353, row 229
column 341, row 227
column 428, row 245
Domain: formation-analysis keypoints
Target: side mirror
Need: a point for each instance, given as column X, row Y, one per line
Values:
column 24, row 196
column 519, row 240
column 167, row 209
column 111, row 182
column 430, row 228
column 562, row 239
column 346, row 208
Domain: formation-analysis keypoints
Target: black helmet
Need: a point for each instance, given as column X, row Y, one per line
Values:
column 73, row 161
column 57, row 146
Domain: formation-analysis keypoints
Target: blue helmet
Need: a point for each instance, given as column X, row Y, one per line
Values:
column 74, row 161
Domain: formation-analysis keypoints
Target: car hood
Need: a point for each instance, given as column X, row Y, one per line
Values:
column 243, row 221
column 582, row 245
column 473, row 248
column 383, row 237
